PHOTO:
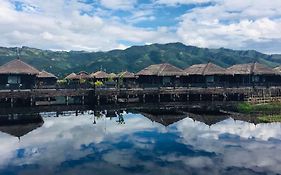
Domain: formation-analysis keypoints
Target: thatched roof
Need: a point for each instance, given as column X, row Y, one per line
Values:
column 205, row 69
column 277, row 69
column 251, row 68
column 112, row 75
column 72, row 76
column 165, row 69
column 18, row 67
column 127, row 74
column 44, row 74
column 100, row 74
column 83, row 75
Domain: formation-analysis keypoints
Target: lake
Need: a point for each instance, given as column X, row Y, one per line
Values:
column 132, row 142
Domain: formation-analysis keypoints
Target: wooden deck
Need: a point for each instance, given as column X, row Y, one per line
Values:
column 143, row 95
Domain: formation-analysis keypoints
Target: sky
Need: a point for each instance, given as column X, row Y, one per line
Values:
column 102, row 25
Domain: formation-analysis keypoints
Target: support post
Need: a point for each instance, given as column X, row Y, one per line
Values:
column 31, row 101
column 66, row 100
column 115, row 99
column 98, row 100
column 12, row 102
column 83, row 100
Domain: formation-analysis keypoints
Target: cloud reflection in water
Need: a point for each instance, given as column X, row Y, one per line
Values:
column 74, row 145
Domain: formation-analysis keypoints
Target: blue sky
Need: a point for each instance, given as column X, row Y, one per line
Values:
column 95, row 25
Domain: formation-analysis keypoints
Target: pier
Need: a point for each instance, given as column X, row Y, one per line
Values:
column 104, row 96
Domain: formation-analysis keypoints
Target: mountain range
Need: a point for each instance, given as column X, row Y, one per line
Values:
column 133, row 58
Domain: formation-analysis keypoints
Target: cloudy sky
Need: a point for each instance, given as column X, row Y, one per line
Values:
column 109, row 24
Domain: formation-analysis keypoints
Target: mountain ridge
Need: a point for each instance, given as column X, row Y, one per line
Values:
column 133, row 58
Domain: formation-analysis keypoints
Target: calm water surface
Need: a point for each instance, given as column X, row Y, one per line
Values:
column 137, row 144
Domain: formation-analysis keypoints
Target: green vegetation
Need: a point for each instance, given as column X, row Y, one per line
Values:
column 269, row 118
column 82, row 81
column 98, row 83
column 132, row 59
column 253, row 108
column 62, row 82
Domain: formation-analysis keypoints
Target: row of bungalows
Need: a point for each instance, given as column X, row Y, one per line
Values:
column 209, row 75
column 198, row 75
column 17, row 74
column 123, row 80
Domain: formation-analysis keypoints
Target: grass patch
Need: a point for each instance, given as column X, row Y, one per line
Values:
column 270, row 118
column 252, row 108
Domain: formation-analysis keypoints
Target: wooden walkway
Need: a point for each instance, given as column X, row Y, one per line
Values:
column 113, row 95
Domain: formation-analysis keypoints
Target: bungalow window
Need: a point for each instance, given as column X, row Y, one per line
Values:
column 166, row 80
column 210, row 79
column 255, row 78
column 14, row 79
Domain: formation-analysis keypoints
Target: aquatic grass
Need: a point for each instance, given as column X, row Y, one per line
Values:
column 270, row 118
column 252, row 108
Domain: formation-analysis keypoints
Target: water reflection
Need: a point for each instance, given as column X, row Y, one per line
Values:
column 130, row 142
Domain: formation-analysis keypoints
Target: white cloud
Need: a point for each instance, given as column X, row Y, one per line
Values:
column 73, row 25
column 232, row 24
column 118, row 4
column 178, row 2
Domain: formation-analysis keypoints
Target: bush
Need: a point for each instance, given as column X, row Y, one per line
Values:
column 82, row 81
column 62, row 82
column 98, row 83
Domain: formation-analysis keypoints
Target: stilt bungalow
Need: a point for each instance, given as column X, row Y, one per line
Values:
column 105, row 78
column 46, row 79
column 17, row 74
column 205, row 75
column 100, row 76
column 252, row 74
column 127, row 80
column 160, row 75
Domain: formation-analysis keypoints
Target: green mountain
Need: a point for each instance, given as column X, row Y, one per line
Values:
column 134, row 58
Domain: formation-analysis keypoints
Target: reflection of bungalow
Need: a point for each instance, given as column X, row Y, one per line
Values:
column 165, row 120
column 252, row 74
column 21, row 125
column 208, row 119
column 205, row 75
column 127, row 79
column 46, row 79
column 159, row 75
column 17, row 74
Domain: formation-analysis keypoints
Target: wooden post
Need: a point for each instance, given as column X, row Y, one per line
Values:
column 115, row 99
column 200, row 97
column 143, row 98
column 159, row 98
column 83, row 100
column 12, row 102
column 66, row 100
column 98, row 100
column 187, row 97
column 31, row 101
